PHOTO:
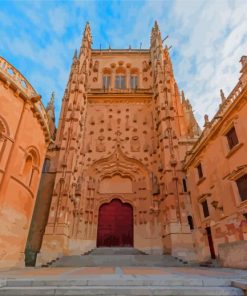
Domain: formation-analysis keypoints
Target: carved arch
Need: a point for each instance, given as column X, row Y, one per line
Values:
column 118, row 164
column 106, row 71
column 120, row 70
column 34, row 153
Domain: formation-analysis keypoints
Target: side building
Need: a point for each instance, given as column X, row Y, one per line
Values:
column 24, row 137
column 217, row 180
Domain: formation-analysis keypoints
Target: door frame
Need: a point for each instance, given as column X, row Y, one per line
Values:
column 123, row 203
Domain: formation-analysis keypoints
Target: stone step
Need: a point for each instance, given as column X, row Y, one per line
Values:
column 116, row 251
column 121, row 291
column 118, row 260
column 123, row 281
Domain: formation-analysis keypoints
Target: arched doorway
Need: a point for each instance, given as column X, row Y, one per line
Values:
column 115, row 225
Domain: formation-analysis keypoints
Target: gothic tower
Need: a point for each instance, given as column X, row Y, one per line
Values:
column 123, row 133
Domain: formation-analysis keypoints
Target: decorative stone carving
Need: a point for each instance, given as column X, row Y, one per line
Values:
column 155, row 185
column 135, row 144
column 145, row 147
column 100, row 146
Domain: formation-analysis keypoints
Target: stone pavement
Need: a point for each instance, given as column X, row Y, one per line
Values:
column 123, row 281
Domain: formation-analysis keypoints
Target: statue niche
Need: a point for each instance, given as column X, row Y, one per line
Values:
column 155, row 185
column 100, row 146
column 135, row 144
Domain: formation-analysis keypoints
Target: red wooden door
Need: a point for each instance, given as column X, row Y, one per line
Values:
column 115, row 225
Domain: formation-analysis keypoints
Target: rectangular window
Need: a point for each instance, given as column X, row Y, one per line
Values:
column 199, row 170
column 232, row 137
column 242, row 187
column 205, row 208
column 120, row 82
column 106, row 81
column 133, row 82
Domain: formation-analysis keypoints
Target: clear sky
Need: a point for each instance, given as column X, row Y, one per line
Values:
column 207, row 37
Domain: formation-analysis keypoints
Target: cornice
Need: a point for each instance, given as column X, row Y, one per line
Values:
column 15, row 81
column 233, row 100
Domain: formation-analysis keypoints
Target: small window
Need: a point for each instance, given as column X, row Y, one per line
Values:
column 120, row 82
column 190, row 222
column 185, row 185
column 106, row 81
column 232, row 137
column 133, row 81
column 242, row 187
column 27, row 171
column 205, row 208
column 199, row 170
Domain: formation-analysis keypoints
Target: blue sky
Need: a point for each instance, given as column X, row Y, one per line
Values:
column 207, row 37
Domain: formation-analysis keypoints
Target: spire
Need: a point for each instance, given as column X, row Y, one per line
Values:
column 50, row 105
column 75, row 54
column 183, row 97
column 50, row 111
column 223, row 98
column 156, row 36
column 86, row 39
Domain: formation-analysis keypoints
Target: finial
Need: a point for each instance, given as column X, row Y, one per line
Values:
column 206, row 120
column 75, row 54
column 52, row 97
column 183, row 96
column 129, row 47
column 223, row 98
column 156, row 25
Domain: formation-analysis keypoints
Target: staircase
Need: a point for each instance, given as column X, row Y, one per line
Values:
column 118, row 287
column 118, row 257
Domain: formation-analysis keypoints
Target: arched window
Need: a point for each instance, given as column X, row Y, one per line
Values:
column 190, row 222
column 106, row 78
column 133, row 81
column 134, row 78
column 106, row 81
column 30, row 168
column 120, row 78
column 120, row 82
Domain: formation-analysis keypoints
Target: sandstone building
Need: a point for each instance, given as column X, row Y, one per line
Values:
column 217, row 177
column 21, row 158
column 120, row 168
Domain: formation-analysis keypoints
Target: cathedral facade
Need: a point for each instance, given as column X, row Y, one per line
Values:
column 121, row 169
column 124, row 130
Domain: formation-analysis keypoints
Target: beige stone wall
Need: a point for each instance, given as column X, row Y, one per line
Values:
column 233, row 254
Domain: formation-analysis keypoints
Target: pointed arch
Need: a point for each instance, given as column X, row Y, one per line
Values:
column 31, row 165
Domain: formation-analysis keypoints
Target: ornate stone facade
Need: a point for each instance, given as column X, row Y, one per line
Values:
column 22, row 153
column 123, row 132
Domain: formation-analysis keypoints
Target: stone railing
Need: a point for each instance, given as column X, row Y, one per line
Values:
column 223, row 107
column 15, row 76
column 12, row 75
column 227, row 103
